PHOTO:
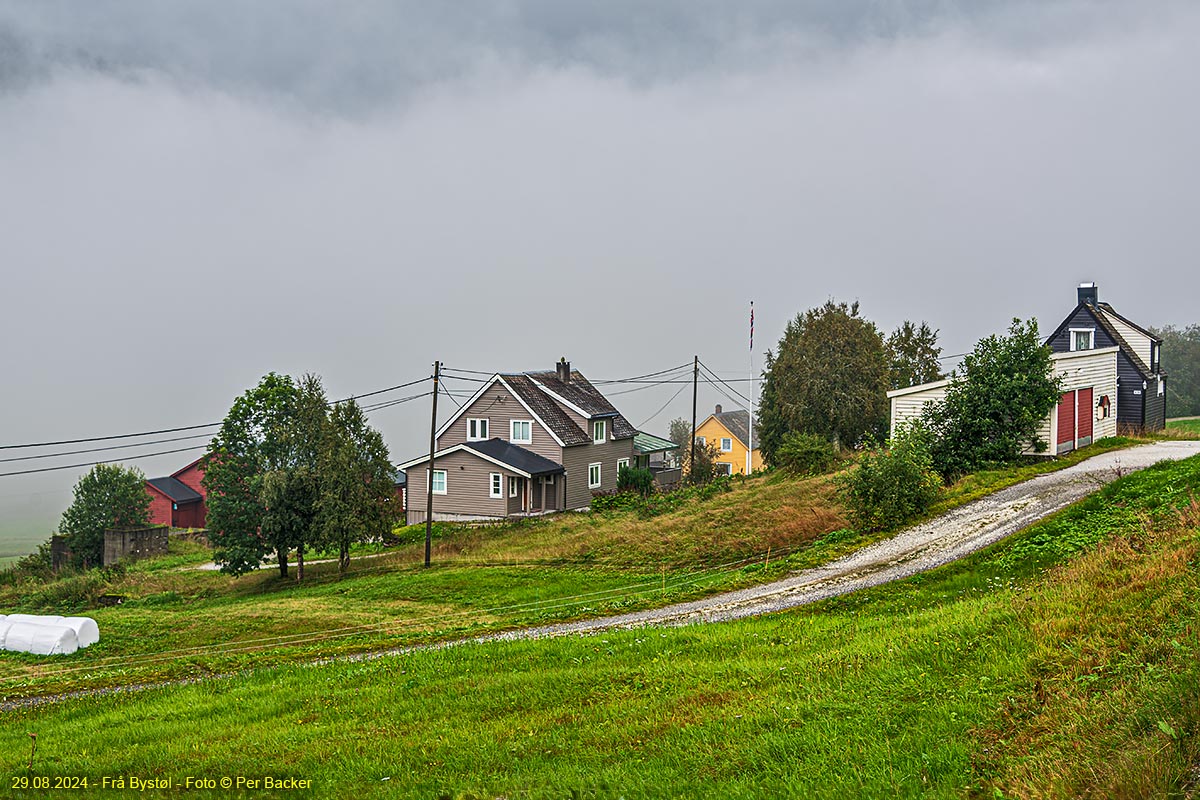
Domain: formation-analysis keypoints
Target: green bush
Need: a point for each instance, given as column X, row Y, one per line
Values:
column 631, row 479
column 805, row 454
column 657, row 503
column 893, row 485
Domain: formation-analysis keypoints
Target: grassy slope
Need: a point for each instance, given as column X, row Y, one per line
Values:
column 177, row 623
column 1184, row 426
column 989, row 676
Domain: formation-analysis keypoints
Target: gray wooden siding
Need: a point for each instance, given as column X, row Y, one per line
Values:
column 499, row 407
column 1082, row 318
column 576, row 460
column 1130, row 395
column 467, row 488
column 1156, row 405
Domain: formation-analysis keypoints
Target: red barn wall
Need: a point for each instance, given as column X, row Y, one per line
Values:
column 190, row 477
column 160, row 507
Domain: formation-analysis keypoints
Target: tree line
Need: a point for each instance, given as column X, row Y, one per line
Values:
column 287, row 472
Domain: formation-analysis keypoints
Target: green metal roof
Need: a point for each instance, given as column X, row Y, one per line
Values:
column 649, row 443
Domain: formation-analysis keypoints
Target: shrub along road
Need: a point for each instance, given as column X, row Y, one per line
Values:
column 923, row 547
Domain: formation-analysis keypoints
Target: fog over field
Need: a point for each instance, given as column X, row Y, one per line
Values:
column 194, row 194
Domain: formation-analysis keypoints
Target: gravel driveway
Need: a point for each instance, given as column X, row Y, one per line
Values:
column 923, row 547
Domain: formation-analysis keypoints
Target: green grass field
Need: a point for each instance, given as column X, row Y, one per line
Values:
column 1062, row 662
column 178, row 622
column 1189, row 426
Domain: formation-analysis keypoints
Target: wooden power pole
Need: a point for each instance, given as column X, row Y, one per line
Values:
column 695, row 380
column 437, row 373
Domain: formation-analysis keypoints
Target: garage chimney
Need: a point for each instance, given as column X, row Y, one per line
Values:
column 563, row 369
column 1088, row 294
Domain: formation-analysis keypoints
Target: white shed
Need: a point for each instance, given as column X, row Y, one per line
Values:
column 1086, row 410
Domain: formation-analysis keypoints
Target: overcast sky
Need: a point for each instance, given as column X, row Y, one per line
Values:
column 193, row 194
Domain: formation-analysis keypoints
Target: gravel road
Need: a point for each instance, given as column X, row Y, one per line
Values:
column 931, row 544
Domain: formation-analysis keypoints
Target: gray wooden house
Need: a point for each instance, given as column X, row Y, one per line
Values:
column 524, row 444
column 1141, row 383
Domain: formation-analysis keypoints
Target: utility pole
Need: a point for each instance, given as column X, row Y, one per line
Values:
column 437, row 373
column 695, row 381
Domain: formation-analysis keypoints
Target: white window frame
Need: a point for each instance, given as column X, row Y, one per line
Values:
column 728, row 468
column 1091, row 332
column 478, row 423
column 726, row 448
column 548, row 480
column 700, row 441
column 514, row 486
column 445, row 481
column 622, row 462
column 599, row 475
column 512, row 431
column 599, row 431
column 1162, row 387
column 496, row 486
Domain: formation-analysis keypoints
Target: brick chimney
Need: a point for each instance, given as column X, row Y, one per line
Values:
column 718, row 411
column 563, row 368
column 1089, row 293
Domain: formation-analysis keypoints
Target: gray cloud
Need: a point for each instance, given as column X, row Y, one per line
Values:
column 195, row 195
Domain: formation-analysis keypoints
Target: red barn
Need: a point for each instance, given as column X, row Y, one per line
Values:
column 178, row 499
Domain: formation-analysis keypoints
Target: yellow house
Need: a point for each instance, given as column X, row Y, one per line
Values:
column 729, row 431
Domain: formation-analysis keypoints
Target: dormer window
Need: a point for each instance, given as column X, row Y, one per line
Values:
column 1083, row 339
column 599, row 431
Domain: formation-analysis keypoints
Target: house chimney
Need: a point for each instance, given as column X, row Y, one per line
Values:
column 1089, row 294
column 563, row 368
column 718, row 411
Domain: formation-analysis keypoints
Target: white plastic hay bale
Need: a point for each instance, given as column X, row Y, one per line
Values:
column 42, row 640
column 4, row 626
column 36, row 619
column 86, row 629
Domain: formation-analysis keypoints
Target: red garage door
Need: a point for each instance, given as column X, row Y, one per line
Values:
column 1084, row 417
column 1066, row 423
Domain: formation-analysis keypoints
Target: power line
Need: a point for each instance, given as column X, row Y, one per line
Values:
column 110, row 461
column 174, row 430
column 664, row 405
column 719, row 378
column 104, row 449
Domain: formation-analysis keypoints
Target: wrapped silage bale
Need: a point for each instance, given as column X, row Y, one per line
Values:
column 87, row 632
column 86, row 629
column 42, row 640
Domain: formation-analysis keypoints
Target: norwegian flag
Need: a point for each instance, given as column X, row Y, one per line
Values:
column 752, row 325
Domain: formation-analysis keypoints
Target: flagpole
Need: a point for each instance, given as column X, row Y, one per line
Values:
column 750, row 448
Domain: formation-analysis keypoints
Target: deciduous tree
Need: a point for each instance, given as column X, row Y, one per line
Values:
column 913, row 353
column 828, row 376
column 358, row 494
column 108, row 496
column 250, row 445
column 995, row 402
column 1181, row 361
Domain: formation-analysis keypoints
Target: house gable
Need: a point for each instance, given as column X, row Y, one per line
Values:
column 498, row 403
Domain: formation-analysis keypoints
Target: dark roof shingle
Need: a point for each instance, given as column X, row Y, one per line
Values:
column 737, row 423
column 581, row 393
column 175, row 490
column 516, row 457
column 547, row 410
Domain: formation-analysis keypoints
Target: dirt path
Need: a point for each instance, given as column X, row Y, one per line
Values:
column 923, row 547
